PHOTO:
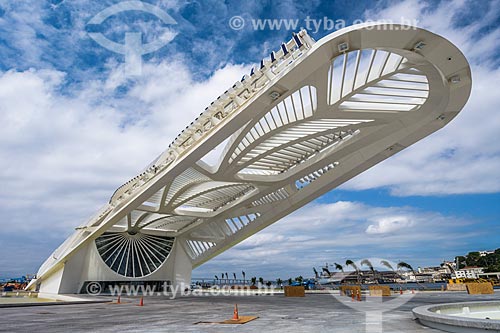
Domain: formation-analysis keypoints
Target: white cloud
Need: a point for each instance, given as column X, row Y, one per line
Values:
column 68, row 152
column 389, row 224
column 63, row 154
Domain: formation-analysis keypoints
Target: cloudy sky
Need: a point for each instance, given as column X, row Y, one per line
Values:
column 75, row 125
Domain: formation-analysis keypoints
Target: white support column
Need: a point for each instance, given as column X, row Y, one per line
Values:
column 181, row 277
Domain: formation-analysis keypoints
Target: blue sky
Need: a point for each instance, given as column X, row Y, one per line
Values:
column 76, row 126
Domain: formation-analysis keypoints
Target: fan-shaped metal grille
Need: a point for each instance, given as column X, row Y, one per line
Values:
column 133, row 255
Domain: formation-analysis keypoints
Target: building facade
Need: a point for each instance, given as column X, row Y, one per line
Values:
column 471, row 272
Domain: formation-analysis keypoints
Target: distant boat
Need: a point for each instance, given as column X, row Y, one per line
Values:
column 333, row 278
column 330, row 280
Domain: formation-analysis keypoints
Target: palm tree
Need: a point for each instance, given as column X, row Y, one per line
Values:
column 289, row 281
column 367, row 262
column 315, row 272
column 234, row 275
column 403, row 264
column 243, row 273
column 386, row 264
column 339, row 267
column 389, row 266
column 253, row 280
column 279, row 282
column 261, row 280
column 299, row 279
column 450, row 267
column 351, row 263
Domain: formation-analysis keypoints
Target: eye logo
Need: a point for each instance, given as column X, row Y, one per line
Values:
column 133, row 49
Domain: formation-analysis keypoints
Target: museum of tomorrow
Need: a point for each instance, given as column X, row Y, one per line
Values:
column 305, row 120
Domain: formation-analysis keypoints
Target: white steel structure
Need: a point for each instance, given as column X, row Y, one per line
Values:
column 309, row 118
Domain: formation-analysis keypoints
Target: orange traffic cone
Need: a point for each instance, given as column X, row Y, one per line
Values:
column 401, row 291
column 118, row 300
column 352, row 295
column 235, row 312
column 413, row 291
column 141, row 302
column 359, row 296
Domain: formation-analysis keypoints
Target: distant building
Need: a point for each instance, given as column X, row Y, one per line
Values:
column 363, row 276
column 434, row 274
column 452, row 264
column 469, row 272
column 485, row 253
column 389, row 276
column 491, row 275
column 408, row 276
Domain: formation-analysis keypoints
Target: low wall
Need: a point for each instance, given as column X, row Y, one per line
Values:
column 380, row 291
column 294, row 291
column 351, row 289
column 456, row 287
column 479, row 288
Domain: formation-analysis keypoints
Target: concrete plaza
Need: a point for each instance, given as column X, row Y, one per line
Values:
column 313, row 313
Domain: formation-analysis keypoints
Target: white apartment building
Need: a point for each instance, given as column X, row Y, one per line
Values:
column 471, row 272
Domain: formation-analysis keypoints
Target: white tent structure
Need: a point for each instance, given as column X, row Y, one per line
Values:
column 304, row 121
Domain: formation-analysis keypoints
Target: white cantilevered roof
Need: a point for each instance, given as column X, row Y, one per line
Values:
column 308, row 118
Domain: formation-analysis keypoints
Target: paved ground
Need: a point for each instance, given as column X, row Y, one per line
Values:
column 313, row 313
